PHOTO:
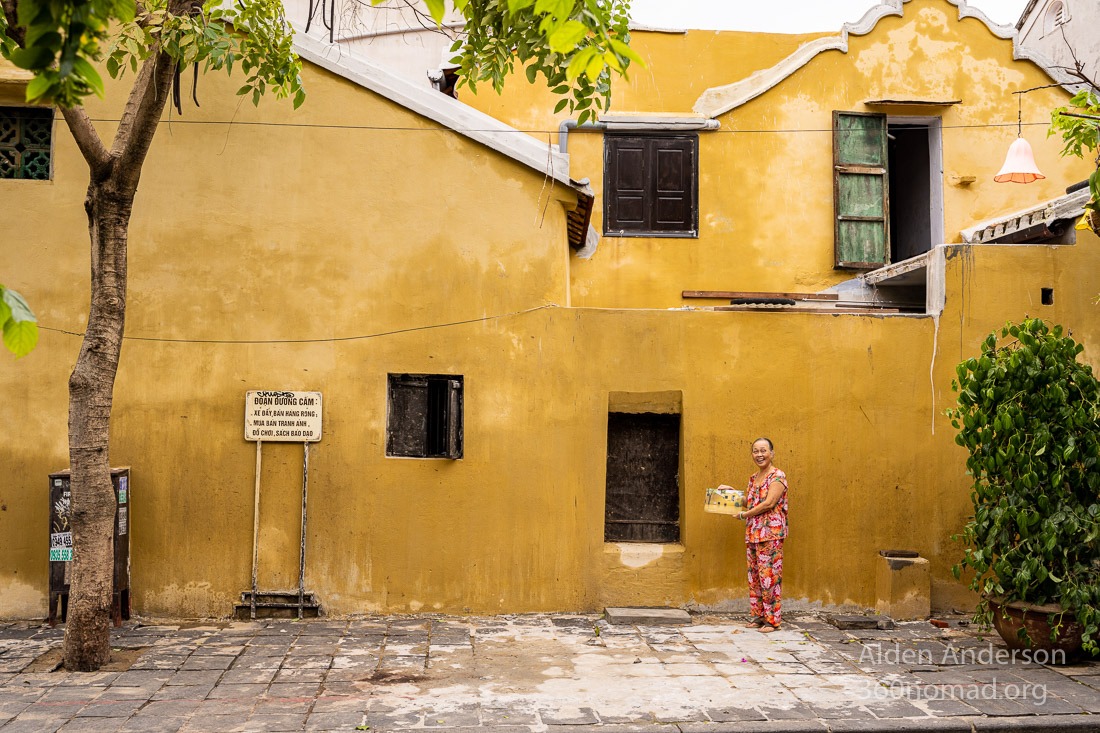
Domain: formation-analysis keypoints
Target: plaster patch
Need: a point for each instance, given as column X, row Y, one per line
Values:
column 636, row 555
column 415, row 606
column 22, row 600
column 193, row 600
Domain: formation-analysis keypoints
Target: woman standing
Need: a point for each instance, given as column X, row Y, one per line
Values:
column 765, row 529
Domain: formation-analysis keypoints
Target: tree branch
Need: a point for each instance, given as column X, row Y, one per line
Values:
column 87, row 140
column 1078, row 68
column 142, row 115
column 143, row 110
column 11, row 15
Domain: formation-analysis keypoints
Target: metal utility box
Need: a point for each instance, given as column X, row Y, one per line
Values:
column 61, row 544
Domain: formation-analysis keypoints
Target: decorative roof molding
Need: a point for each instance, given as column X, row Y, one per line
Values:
column 719, row 100
column 445, row 110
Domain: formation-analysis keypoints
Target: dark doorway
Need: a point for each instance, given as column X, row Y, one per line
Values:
column 643, row 478
column 911, row 200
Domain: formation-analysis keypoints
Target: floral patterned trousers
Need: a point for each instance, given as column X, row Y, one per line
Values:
column 765, row 564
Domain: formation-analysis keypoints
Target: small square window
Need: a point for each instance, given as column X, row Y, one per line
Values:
column 25, row 142
column 424, row 416
column 651, row 185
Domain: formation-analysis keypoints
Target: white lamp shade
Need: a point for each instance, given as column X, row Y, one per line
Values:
column 1019, row 165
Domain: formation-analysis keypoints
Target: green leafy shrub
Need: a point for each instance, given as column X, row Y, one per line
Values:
column 1028, row 414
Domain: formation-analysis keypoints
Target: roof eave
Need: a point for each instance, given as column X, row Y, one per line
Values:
column 429, row 103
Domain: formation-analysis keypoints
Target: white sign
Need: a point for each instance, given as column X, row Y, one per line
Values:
column 289, row 417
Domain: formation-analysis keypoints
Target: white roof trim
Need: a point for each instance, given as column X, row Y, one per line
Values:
column 1069, row 206
column 441, row 108
column 719, row 100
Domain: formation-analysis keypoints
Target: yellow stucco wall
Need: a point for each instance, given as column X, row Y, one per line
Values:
column 766, row 176
column 314, row 226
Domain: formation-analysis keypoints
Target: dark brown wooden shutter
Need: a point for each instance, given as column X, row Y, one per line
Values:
column 860, row 190
column 651, row 185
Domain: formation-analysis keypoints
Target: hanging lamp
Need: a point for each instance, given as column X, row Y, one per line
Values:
column 1019, row 166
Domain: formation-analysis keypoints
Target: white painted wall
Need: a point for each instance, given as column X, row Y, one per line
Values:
column 391, row 34
column 1080, row 29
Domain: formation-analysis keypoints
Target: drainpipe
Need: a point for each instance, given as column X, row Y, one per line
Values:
column 566, row 126
column 641, row 125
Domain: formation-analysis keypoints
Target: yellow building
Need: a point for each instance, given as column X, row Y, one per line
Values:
column 427, row 268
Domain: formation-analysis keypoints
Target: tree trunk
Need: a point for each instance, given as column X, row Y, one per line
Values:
column 114, row 177
column 91, row 387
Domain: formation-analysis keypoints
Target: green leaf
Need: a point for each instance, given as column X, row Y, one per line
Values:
column 594, row 67
column 578, row 63
column 514, row 6
column 626, row 51
column 566, row 38
column 87, row 72
column 18, row 309
column 20, row 337
column 561, row 105
column 125, row 10
column 436, row 9
column 32, row 59
column 39, row 87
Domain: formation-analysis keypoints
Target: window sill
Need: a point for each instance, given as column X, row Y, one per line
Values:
column 654, row 235
column 666, row 548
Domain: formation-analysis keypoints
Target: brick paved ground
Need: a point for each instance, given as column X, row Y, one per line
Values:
column 532, row 673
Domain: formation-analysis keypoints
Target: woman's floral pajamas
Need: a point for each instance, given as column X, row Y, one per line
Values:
column 764, row 535
column 765, row 563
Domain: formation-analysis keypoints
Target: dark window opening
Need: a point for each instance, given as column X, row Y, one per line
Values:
column 25, row 142
column 651, row 185
column 1047, row 295
column 910, row 191
column 643, row 478
column 424, row 416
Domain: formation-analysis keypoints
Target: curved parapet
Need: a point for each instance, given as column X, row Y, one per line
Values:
column 718, row 100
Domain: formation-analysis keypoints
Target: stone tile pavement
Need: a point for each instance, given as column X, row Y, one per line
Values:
column 534, row 673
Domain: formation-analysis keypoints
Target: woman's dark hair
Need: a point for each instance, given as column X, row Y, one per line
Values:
column 766, row 440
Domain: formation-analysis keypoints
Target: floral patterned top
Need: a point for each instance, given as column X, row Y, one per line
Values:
column 771, row 525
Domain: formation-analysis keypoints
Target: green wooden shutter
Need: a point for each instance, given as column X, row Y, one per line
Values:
column 860, row 190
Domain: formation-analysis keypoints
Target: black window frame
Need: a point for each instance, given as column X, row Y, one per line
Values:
column 650, row 145
column 18, row 117
column 424, row 416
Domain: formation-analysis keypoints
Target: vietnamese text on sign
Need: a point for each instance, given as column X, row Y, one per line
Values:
column 272, row 416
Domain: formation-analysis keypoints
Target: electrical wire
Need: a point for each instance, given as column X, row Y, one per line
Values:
column 395, row 128
column 336, row 339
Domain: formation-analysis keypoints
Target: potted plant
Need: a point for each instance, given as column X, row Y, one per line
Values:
column 1029, row 415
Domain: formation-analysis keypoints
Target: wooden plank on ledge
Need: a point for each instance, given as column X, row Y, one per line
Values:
column 728, row 294
column 840, row 310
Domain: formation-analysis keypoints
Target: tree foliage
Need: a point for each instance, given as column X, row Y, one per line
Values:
column 252, row 35
column 1079, row 126
column 18, row 323
column 576, row 45
column 1029, row 414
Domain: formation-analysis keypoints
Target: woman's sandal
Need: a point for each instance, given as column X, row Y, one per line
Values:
column 767, row 628
column 755, row 623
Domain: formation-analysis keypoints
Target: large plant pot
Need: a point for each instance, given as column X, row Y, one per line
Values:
column 1009, row 618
